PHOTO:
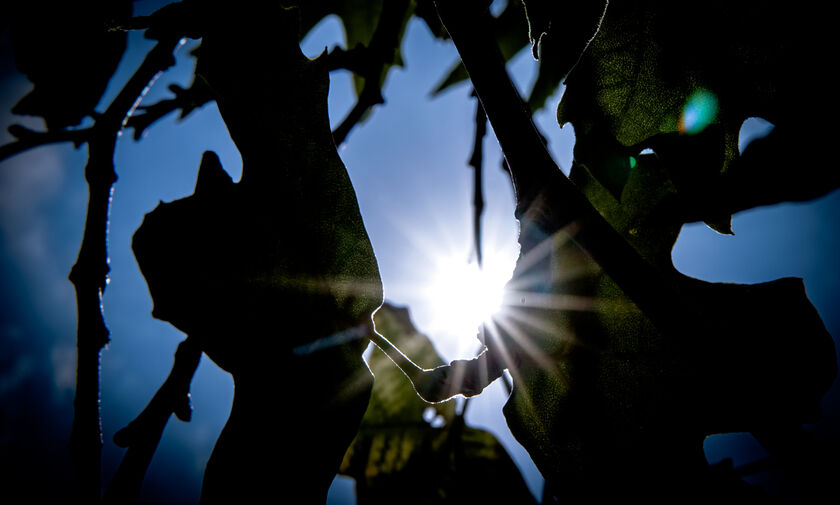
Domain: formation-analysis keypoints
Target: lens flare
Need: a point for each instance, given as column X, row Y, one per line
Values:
column 699, row 111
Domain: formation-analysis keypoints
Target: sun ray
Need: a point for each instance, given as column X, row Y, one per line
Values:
column 523, row 341
column 551, row 301
column 497, row 342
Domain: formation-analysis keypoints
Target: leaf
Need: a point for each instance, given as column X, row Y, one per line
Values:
column 68, row 53
column 361, row 20
column 394, row 399
column 559, row 33
column 771, row 171
column 359, row 17
column 653, row 78
column 273, row 275
column 558, row 49
column 397, row 455
column 600, row 395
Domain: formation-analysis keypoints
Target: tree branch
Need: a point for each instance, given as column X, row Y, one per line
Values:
column 185, row 100
column 142, row 435
column 371, row 95
column 546, row 199
column 28, row 139
column 379, row 54
column 89, row 274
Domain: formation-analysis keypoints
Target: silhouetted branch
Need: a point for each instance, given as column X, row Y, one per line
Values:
column 476, row 162
column 185, row 100
column 379, row 54
column 546, row 199
column 89, row 274
column 142, row 435
column 27, row 139
column 371, row 95
column 355, row 60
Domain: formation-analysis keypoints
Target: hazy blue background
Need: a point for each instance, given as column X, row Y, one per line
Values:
column 408, row 165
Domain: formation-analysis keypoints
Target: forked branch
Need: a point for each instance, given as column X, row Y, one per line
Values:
column 89, row 274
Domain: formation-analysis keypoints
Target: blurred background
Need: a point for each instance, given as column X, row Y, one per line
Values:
column 408, row 163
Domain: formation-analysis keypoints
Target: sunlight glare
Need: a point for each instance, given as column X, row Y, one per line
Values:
column 463, row 296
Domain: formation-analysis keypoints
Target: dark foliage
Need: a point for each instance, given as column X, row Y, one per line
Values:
column 621, row 365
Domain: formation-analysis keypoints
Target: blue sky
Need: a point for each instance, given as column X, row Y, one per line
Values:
column 408, row 163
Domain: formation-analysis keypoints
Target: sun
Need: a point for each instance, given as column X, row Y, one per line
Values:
column 463, row 296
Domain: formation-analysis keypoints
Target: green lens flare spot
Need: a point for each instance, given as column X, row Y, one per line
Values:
column 699, row 111
column 632, row 162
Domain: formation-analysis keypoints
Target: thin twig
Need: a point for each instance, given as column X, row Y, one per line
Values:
column 143, row 435
column 185, row 100
column 371, row 95
column 380, row 54
column 89, row 274
column 355, row 60
column 28, row 139
column 476, row 161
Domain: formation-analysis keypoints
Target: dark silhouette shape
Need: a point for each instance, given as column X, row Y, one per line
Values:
column 275, row 279
column 143, row 435
column 621, row 366
column 274, row 276
column 410, row 452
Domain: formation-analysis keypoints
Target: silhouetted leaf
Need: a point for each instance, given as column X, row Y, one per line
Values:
column 393, row 399
column 69, row 53
column 274, row 275
column 600, row 395
column 559, row 32
column 420, row 453
column 360, row 19
column 558, row 48
column 654, row 77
